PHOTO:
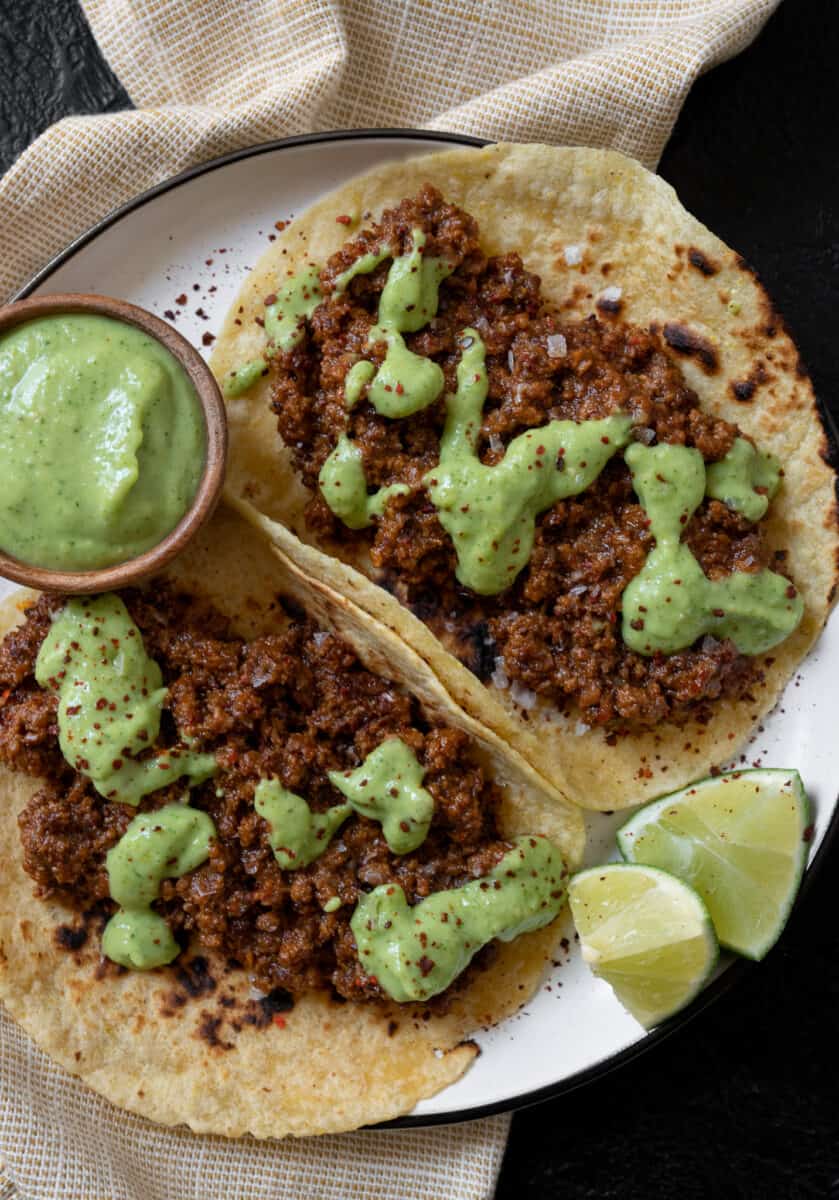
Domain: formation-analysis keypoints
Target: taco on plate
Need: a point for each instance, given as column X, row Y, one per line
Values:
column 533, row 417
column 260, row 873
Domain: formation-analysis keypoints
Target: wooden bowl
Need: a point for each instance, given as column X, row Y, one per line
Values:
column 122, row 574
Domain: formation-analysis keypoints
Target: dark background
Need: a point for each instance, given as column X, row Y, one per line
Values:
column 744, row 1102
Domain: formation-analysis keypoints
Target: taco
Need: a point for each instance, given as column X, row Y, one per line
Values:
column 532, row 416
column 261, row 943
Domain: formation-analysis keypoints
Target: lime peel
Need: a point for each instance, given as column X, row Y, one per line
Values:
column 740, row 840
column 646, row 934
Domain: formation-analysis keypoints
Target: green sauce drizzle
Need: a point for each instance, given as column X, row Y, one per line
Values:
column 102, row 442
column 362, row 266
column 405, row 383
column 110, row 696
column 671, row 602
column 285, row 319
column 296, row 834
column 415, row 953
column 735, row 478
column 156, row 846
column 387, row 787
column 490, row 512
column 245, row 377
column 344, row 486
column 357, row 378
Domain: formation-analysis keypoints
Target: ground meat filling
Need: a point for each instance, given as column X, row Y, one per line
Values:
column 290, row 706
column 556, row 630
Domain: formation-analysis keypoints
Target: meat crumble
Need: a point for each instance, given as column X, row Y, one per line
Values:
column 556, row 631
column 291, row 706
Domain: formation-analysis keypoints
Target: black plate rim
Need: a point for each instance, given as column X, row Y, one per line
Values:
column 736, row 969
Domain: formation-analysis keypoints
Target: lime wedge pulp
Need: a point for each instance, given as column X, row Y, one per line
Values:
column 740, row 840
column 646, row 934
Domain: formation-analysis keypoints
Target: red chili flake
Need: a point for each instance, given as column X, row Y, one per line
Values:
column 278, row 1021
column 399, row 389
column 270, row 299
column 540, row 449
column 605, row 441
column 807, row 835
column 168, row 314
column 208, row 338
column 718, row 612
column 117, row 764
column 791, row 593
column 181, row 299
column 426, row 965
column 344, row 219
column 101, row 703
column 388, row 388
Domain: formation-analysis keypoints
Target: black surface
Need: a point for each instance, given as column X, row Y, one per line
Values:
column 745, row 1101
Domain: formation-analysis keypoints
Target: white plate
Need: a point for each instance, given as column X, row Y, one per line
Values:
column 195, row 236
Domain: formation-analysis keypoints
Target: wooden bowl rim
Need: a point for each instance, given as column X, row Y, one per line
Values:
column 215, row 431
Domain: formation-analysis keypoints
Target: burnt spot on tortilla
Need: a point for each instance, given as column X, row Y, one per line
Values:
column 208, row 1029
column 743, row 389
column 278, row 1000
column 71, row 937
column 608, row 306
column 698, row 259
column 260, row 1013
column 195, row 978
column 172, row 1002
column 691, row 344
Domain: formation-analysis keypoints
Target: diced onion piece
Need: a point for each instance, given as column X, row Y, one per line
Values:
column 557, row 345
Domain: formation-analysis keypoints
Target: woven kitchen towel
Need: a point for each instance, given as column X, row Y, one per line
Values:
column 210, row 76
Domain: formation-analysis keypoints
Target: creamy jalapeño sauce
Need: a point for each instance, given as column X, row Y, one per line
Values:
column 490, row 512
column 102, row 442
column 158, row 845
column 417, row 952
column 386, row 787
column 745, row 480
column 296, row 834
column 344, row 486
column 110, row 697
column 285, row 316
column 671, row 602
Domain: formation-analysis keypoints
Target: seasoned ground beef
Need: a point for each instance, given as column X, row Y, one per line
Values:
column 556, row 630
column 289, row 706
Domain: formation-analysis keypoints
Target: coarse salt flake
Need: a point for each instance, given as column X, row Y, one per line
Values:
column 611, row 294
column 522, row 696
column 499, row 675
column 573, row 255
column 557, row 345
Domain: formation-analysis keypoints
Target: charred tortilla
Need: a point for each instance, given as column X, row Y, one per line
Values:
column 192, row 1043
column 608, row 240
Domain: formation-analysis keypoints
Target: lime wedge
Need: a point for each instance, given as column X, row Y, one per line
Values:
column 739, row 840
column 646, row 933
